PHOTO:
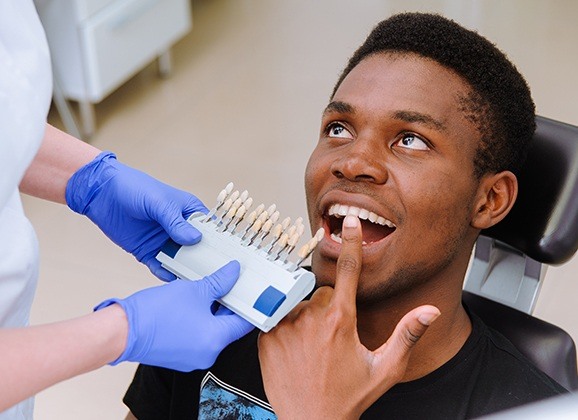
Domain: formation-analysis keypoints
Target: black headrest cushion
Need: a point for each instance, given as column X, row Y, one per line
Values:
column 543, row 223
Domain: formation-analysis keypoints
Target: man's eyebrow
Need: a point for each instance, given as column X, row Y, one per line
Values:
column 340, row 107
column 418, row 117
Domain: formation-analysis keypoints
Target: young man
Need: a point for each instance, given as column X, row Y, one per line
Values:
column 426, row 128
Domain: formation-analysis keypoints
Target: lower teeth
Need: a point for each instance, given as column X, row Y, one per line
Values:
column 336, row 238
column 340, row 241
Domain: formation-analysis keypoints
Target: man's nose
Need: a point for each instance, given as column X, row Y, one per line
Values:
column 361, row 162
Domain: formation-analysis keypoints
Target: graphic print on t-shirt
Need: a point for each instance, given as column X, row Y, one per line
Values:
column 219, row 400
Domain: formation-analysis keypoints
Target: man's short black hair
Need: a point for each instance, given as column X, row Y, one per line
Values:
column 500, row 104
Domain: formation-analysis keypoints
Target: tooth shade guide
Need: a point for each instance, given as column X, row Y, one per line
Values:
column 237, row 219
column 249, row 220
column 306, row 250
column 231, row 213
column 303, row 251
column 220, row 200
column 248, row 203
column 260, row 209
column 227, row 204
column 280, row 246
column 241, row 212
column 237, row 203
column 288, row 248
column 259, row 225
column 267, row 226
column 224, row 209
column 264, row 232
column 277, row 230
column 251, row 217
column 276, row 234
column 263, row 216
column 300, row 230
column 286, row 222
column 221, row 197
column 272, row 208
column 283, row 240
column 274, row 217
column 292, row 230
column 235, row 195
column 258, row 275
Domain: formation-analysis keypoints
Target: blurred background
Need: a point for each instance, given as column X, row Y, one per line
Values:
column 248, row 81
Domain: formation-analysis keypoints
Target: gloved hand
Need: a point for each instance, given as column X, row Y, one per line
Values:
column 173, row 325
column 136, row 211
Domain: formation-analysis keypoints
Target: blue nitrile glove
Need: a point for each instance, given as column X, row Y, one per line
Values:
column 136, row 211
column 173, row 325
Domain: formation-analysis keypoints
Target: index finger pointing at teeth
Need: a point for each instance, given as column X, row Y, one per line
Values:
column 349, row 262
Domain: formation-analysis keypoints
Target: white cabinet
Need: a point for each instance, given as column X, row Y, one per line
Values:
column 96, row 45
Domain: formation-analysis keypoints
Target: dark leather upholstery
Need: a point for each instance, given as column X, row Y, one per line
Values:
column 547, row 346
column 543, row 224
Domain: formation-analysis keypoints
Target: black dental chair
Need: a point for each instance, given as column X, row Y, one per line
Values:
column 510, row 258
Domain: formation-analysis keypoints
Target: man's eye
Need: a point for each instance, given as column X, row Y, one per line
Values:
column 411, row 141
column 339, row 131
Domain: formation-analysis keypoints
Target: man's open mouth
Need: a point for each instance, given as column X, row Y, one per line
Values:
column 374, row 227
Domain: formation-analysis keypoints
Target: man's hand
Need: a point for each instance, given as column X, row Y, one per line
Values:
column 134, row 210
column 313, row 363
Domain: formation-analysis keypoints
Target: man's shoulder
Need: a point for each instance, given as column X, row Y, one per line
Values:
column 509, row 365
column 487, row 375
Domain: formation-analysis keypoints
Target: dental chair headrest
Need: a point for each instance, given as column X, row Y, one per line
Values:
column 543, row 223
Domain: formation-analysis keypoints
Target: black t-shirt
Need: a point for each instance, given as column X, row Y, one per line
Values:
column 487, row 375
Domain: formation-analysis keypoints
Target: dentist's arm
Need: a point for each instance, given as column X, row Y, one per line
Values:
column 59, row 157
column 136, row 211
column 34, row 358
column 170, row 326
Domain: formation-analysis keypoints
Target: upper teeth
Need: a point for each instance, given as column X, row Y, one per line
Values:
column 341, row 210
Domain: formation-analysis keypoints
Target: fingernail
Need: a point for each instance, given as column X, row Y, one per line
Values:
column 350, row 221
column 428, row 317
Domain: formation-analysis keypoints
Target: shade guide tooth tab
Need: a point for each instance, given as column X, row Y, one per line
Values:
column 270, row 284
column 220, row 200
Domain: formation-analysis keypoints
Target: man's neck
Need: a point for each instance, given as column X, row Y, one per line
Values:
column 443, row 339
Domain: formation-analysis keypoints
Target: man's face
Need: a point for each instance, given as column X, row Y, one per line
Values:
column 396, row 149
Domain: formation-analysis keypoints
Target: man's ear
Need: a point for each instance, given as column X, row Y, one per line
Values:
column 494, row 200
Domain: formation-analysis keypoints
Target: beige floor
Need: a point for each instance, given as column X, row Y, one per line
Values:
column 244, row 103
